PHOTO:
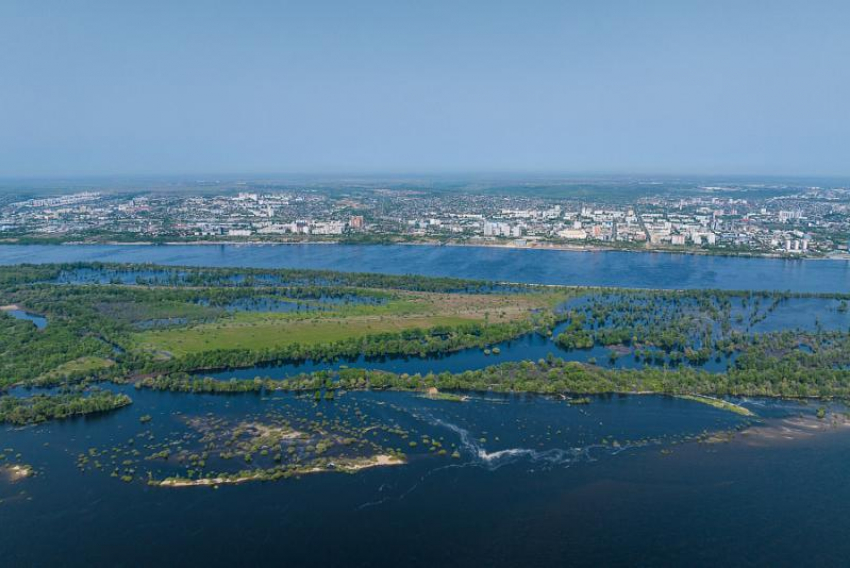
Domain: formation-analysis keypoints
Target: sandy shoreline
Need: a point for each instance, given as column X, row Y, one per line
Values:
column 376, row 461
column 793, row 429
column 381, row 460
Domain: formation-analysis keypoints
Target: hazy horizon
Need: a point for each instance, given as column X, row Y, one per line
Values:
column 105, row 180
column 658, row 88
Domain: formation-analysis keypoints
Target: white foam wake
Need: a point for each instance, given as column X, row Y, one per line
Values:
column 496, row 459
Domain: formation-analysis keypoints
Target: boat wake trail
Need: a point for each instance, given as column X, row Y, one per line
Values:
column 491, row 461
column 496, row 459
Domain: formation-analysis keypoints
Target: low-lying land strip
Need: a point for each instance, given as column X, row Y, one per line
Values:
column 163, row 327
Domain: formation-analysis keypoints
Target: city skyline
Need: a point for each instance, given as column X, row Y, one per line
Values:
column 749, row 219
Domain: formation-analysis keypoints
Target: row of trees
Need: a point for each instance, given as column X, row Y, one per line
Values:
column 156, row 275
column 546, row 376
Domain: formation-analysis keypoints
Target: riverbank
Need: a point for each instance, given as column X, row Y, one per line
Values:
column 512, row 245
column 793, row 429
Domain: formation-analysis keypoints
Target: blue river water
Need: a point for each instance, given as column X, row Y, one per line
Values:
column 39, row 321
column 538, row 482
column 625, row 269
column 621, row 481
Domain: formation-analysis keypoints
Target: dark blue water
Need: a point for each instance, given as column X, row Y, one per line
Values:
column 646, row 270
column 620, row 481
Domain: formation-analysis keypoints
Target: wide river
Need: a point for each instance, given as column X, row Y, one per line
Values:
column 622, row 481
column 627, row 269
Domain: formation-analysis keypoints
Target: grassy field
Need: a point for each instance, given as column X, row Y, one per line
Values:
column 134, row 311
column 252, row 330
column 273, row 333
column 81, row 365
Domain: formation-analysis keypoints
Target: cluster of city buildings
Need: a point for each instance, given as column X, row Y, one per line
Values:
column 810, row 221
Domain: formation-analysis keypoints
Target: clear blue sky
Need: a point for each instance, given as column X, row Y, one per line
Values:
column 660, row 86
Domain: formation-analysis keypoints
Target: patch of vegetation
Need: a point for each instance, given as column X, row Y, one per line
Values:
column 719, row 404
column 43, row 407
column 154, row 324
